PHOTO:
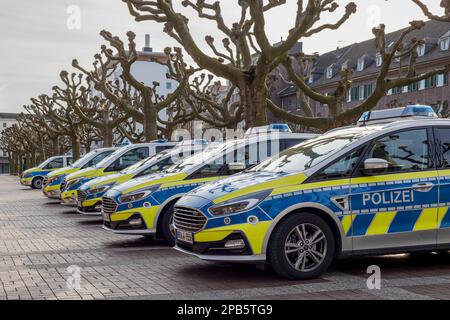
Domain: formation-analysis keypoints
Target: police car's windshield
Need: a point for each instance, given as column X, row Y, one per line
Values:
column 105, row 161
column 153, row 159
column 43, row 164
column 310, row 153
column 211, row 152
column 80, row 162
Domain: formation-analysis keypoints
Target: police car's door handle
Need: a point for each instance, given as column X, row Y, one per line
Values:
column 423, row 187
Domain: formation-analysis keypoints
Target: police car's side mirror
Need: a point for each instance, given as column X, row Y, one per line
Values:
column 375, row 165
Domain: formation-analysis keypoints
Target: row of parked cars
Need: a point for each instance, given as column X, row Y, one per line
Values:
column 293, row 201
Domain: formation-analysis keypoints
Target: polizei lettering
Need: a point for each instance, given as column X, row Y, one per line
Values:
column 388, row 197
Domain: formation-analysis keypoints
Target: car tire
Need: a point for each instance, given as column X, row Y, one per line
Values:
column 166, row 230
column 37, row 183
column 302, row 247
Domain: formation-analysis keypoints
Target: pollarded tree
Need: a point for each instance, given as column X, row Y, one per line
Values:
column 247, row 57
column 445, row 4
column 398, row 50
column 151, row 102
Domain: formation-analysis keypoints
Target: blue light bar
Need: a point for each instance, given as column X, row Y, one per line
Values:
column 389, row 115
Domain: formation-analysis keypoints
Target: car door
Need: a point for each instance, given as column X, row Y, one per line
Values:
column 442, row 135
column 398, row 207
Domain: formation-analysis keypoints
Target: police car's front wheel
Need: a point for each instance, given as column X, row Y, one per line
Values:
column 302, row 247
column 37, row 183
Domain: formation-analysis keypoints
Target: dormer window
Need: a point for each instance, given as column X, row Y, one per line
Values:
column 361, row 64
column 421, row 50
column 379, row 59
column 330, row 72
column 344, row 66
column 444, row 43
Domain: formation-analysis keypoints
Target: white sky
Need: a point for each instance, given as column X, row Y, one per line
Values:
column 36, row 43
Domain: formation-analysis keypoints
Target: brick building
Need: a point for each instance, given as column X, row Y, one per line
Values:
column 365, row 61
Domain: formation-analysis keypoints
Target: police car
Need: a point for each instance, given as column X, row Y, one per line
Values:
column 144, row 206
column 90, row 194
column 380, row 187
column 52, row 182
column 114, row 163
column 34, row 177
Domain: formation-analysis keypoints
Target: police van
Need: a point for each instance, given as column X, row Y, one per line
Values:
column 114, row 163
column 382, row 186
column 52, row 182
column 90, row 194
column 144, row 206
column 34, row 177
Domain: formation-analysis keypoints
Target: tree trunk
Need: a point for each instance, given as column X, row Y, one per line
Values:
column 150, row 124
column 255, row 113
column 75, row 147
column 55, row 146
column 107, row 134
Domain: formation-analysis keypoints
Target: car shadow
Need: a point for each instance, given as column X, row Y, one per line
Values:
column 137, row 242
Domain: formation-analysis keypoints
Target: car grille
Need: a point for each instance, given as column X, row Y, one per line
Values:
column 63, row 185
column 188, row 219
column 45, row 182
column 109, row 206
column 82, row 195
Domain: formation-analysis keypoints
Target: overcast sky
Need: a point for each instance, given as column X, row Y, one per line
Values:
column 39, row 38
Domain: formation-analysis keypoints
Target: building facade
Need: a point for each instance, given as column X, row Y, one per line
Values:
column 365, row 61
column 6, row 121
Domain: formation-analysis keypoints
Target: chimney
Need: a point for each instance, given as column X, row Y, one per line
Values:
column 147, row 47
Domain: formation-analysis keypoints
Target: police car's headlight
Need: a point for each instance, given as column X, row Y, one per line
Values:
column 240, row 204
column 72, row 183
column 55, row 178
column 101, row 188
column 138, row 195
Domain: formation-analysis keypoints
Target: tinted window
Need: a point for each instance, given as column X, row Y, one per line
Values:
column 162, row 148
column 405, row 151
column 444, row 155
column 289, row 143
column 129, row 158
column 97, row 159
column 342, row 168
column 156, row 167
column 55, row 164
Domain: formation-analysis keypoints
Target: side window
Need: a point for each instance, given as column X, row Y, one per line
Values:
column 55, row 164
column 156, row 167
column 405, row 151
column 129, row 158
column 97, row 159
column 444, row 154
column 213, row 169
column 69, row 161
column 342, row 168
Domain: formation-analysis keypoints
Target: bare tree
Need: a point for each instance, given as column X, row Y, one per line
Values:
column 445, row 4
column 386, row 80
column 247, row 57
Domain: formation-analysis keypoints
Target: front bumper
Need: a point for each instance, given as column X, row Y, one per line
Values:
column 69, row 198
column 52, row 192
column 228, row 258
column 92, row 207
column 26, row 182
column 126, row 224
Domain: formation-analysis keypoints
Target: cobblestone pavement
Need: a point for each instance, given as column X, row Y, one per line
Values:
column 40, row 239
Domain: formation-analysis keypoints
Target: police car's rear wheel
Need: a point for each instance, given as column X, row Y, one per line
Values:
column 302, row 247
column 37, row 183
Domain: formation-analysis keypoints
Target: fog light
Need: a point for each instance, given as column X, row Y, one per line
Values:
column 235, row 244
column 135, row 222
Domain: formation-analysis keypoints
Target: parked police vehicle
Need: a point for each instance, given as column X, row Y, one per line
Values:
column 382, row 186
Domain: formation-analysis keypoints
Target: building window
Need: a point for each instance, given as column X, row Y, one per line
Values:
column 361, row 64
column 379, row 59
column 354, row 94
column 397, row 90
column 4, row 124
column 445, row 43
column 413, row 87
column 330, row 72
column 368, row 90
column 421, row 50
column 431, row 82
column 169, row 85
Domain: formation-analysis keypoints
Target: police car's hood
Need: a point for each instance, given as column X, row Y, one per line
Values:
column 246, row 183
column 85, row 173
column 66, row 170
column 112, row 178
column 147, row 181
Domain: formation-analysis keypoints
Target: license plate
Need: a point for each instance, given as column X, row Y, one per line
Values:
column 106, row 217
column 185, row 236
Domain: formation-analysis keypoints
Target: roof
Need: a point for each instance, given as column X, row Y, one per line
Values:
column 432, row 30
column 6, row 115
